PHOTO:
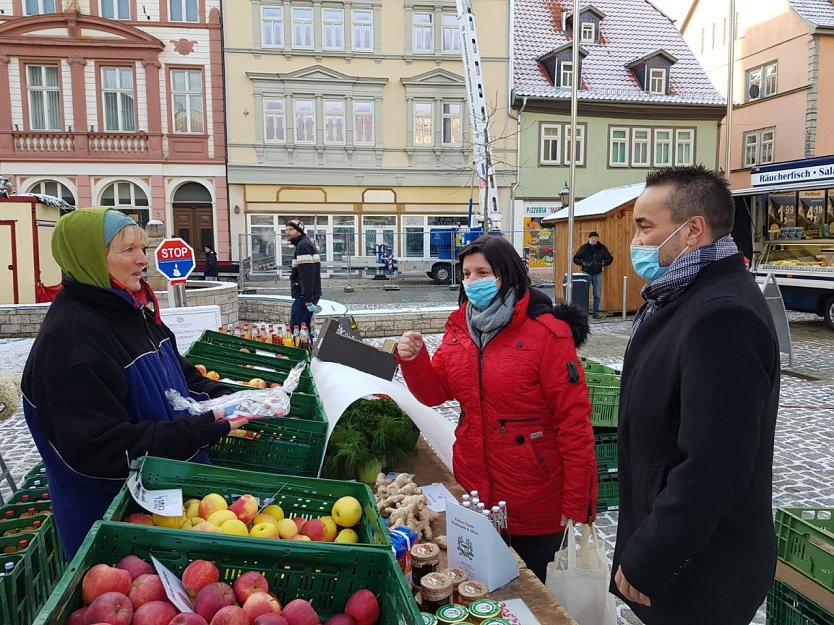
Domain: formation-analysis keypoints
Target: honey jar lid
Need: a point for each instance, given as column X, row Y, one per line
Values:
column 473, row 589
column 425, row 553
column 435, row 586
column 484, row 609
column 457, row 575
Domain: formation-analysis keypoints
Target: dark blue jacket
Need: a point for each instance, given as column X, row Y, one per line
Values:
column 94, row 398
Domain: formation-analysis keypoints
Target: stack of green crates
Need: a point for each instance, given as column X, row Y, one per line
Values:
column 324, row 573
column 604, row 391
column 805, row 542
column 31, row 560
column 293, row 444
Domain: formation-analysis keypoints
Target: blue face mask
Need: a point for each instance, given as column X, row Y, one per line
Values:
column 481, row 292
column 646, row 258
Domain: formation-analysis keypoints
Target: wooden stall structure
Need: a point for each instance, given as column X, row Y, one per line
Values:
column 26, row 227
column 607, row 212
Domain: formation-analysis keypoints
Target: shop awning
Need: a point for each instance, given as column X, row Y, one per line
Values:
column 785, row 188
column 599, row 203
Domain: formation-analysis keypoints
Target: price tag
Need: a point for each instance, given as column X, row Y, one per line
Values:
column 173, row 587
column 166, row 502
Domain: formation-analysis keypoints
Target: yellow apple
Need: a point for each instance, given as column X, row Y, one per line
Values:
column 221, row 516
column 212, row 503
column 174, row 522
column 192, row 508
column 265, row 530
column 347, row 535
column 234, row 527
column 205, row 526
column 347, row 511
column 275, row 511
column 287, row 528
column 332, row 529
column 192, row 522
column 263, row 517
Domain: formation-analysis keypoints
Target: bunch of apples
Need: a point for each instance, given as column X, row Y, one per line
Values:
column 130, row 593
column 244, row 518
column 254, row 382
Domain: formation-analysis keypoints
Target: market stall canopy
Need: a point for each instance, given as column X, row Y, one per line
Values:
column 599, row 203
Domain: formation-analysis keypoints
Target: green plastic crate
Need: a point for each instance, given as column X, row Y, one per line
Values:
column 35, row 481
column 38, row 469
column 602, row 379
column 231, row 341
column 594, row 367
column 30, row 495
column 231, row 354
column 235, row 371
column 14, row 510
column 605, row 405
column 805, row 540
column 298, row 496
column 609, row 494
column 607, row 452
column 52, row 556
column 324, row 573
column 785, row 606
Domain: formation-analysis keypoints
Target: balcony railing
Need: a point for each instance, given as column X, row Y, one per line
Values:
column 35, row 142
column 117, row 143
column 72, row 146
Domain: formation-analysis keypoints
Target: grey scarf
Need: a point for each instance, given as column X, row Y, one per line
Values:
column 485, row 324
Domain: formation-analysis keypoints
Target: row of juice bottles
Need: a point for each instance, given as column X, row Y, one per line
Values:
column 274, row 333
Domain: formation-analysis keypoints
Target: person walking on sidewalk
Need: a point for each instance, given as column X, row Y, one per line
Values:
column 305, row 278
column 592, row 257
column 698, row 403
column 524, row 434
column 210, row 270
column 95, row 380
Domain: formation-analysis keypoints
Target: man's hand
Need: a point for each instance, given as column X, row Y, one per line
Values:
column 630, row 592
column 410, row 345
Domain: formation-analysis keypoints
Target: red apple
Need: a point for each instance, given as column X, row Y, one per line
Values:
column 154, row 613
column 199, row 574
column 111, row 607
column 77, row 617
column 315, row 529
column 213, row 597
column 341, row 619
column 248, row 583
column 363, row 606
column 139, row 518
column 245, row 508
column 260, row 603
column 300, row 612
column 230, row 615
column 299, row 522
column 270, row 618
column 147, row 588
column 135, row 566
column 102, row 578
column 188, row 618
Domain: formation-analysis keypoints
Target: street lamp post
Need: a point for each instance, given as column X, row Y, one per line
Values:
column 565, row 199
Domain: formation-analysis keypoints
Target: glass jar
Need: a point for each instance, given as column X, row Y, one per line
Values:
column 457, row 576
column 435, row 591
column 484, row 609
column 428, row 618
column 424, row 560
column 452, row 614
column 471, row 591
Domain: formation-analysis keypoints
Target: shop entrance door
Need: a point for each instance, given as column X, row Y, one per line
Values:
column 8, row 263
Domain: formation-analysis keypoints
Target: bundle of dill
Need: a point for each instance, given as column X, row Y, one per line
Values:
column 372, row 435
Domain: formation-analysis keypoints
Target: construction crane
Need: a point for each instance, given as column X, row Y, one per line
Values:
column 488, row 216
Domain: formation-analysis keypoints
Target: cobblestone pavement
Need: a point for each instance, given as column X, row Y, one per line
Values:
column 803, row 461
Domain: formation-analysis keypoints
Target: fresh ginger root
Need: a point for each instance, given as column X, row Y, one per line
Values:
column 403, row 503
column 442, row 542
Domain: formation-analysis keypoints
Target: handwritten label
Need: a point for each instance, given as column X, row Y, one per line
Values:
column 517, row 612
column 173, row 587
column 436, row 496
column 166, row 502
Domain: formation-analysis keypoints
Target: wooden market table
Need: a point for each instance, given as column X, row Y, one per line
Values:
column 427, row 467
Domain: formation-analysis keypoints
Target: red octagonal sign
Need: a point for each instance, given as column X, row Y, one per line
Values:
column 175, row 259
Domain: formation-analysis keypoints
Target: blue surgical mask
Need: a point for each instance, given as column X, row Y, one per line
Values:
column 481, row 292
column 646, row 258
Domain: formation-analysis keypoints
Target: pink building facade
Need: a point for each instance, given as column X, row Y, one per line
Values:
column 114, row 103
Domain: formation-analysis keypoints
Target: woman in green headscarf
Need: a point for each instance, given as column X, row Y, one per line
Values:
column 94, row 384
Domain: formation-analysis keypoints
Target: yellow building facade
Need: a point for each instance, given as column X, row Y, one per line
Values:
column 352, row 116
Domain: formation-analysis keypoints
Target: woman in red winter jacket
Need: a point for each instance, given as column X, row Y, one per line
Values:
column 524, row 434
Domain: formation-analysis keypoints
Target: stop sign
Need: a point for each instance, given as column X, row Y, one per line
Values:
column 175, row 259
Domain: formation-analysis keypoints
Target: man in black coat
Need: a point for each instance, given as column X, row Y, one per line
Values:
column 698, row 404
column 305, row 277
column 592, row 257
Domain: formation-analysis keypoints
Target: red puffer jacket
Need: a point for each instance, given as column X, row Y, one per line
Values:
column 524, row 434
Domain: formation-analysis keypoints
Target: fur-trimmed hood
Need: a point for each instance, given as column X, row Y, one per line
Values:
column 541, row 304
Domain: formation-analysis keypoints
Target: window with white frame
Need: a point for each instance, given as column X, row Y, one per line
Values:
column 53, row 188
column 272, row 27
column 44, row 97
column 588, row 32
column 334, row 121
column 118, row 99
column 183, row 10
column 618, row 147
column 758, row 147
column 128, row 198
column 362, row 26
column 115, row 9
column 760, row 82
column 302, row 27
column 451, row 35
column 363, row 122
column 640, row 139
column 40, row 7
column 769, row 80
column 423, row 114
column 657, row 80
column 187, row 100
column 275, row 120
column 305, row 121
column 333, row 29
column 750, row 156
column 566, row 74
column 767, row 145
column 684, row 144
column 662, row 148
column 423, row 32
column 551, row 142
column 580, row 145
column 452, row 134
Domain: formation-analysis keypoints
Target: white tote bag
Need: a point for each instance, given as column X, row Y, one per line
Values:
column 578, row 577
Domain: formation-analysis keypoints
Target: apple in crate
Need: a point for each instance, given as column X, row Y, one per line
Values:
column 199, row 574
column 270, row 618
column 260, row 603
column 300, row 612
column 210, row 504
column 146, row 588
column 139, row 518
column 213, row 597
column 249, row 583
column 230, row 615
column 363, row 607
column 101, row 579
column 315, row 529
column 188, row 618
column 78, row 617
column 265, row 530
column 245, row 508
column 134, row 565
column 110, row 607
column 287, row 528
column 341, row 619
column 347, row 511
column 154, row 613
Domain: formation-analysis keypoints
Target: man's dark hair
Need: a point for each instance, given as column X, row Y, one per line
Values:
column 505, row 262
column 593, row 233
column 697, row 191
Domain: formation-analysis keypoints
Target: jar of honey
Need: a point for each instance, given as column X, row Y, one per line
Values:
column 471, row 591
column 424, row 560
column 435, row 591
column 457, row 575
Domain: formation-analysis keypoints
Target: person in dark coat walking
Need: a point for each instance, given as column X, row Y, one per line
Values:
column 210, row 269
column 592, row 257
column 305, row 278
column 698, row 404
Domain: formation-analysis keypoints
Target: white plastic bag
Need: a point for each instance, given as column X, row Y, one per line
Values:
column 578, row 577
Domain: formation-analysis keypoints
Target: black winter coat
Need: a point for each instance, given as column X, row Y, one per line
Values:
column 698, row 404
column 305, row 278
column 211, row 265
column 592, row 258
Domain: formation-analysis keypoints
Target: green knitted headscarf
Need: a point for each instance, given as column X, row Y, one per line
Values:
column 78, row 244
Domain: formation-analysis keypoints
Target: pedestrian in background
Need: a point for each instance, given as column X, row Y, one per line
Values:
column 210, row 269
column 95, row 380
column 698, row 403
column 305, row 277
column 524, row 434
column 593, row 256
